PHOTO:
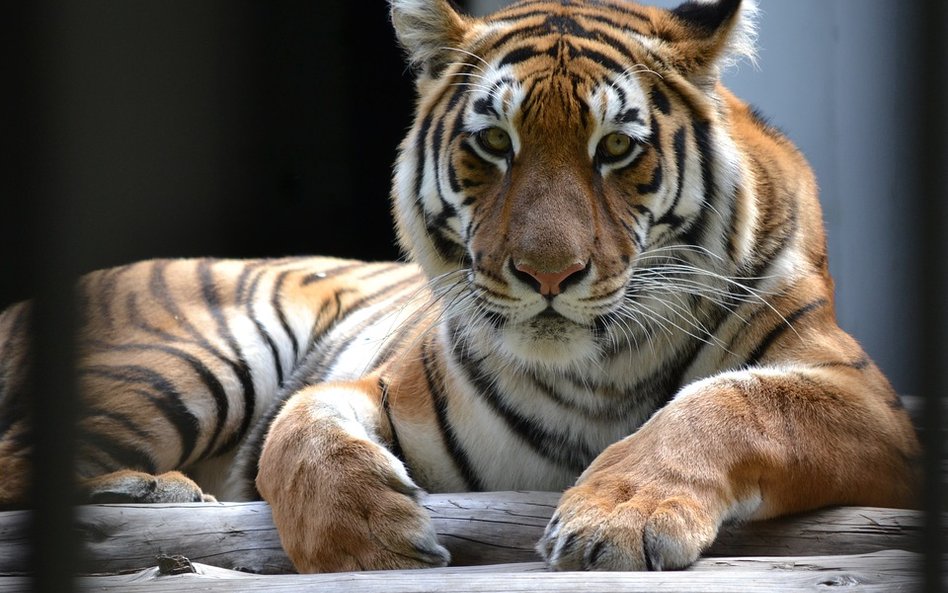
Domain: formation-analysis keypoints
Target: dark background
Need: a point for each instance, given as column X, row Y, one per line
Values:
column 231, row 129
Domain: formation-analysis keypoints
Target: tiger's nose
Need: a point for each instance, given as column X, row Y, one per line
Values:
column 550, row 283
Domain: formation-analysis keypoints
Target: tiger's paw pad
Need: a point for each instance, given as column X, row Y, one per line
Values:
column 129, row 486
column 644, row 532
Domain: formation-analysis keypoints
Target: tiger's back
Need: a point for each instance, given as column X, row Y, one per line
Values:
column 180, row 360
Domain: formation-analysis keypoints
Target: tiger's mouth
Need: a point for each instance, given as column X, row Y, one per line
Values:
column 550, row 324
column 548, row 338
column 550, row 314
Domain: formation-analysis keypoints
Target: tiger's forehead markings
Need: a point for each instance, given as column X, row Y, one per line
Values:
column 614, row 28
column 564, row 39
column 565, row 53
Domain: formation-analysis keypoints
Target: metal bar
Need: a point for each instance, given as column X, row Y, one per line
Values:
column 931, row 220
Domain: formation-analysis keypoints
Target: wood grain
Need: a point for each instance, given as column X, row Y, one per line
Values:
column 882, row 572
column 478, row 528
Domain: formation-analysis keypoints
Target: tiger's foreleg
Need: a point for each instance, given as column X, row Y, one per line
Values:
column 743, row 445
column 340, row 499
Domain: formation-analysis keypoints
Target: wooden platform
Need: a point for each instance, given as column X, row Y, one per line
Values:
column 491, row 538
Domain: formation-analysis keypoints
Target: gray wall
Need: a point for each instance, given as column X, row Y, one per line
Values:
column 835, row 77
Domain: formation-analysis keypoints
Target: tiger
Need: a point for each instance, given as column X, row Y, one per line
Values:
column 615, row 286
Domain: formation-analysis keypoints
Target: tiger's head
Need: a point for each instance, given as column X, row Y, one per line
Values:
column 559, row 149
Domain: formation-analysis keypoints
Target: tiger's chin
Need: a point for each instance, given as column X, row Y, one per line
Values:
column 549, row 341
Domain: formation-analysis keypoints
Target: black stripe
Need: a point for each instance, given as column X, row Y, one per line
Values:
column 448, row 250
column 654, row 184
column 697, row 231
column 162, row 394
column 518, row 55
column 613, row 411
column 252, row 446
column 261, row 328
column 785, row 325
column 395, row 446
column 454, row 181
column 207, row 376
column 558, row 448
column 240, row 366
column 627, row 10
column 121, row 419
column 599, row 58
column 457, row 452
column 629, row 115
column 768, row 247
column 669, row 217
column 138, row 321
column 436, row 140
column 318, row 329
column 241, row 284
column 530, row 33
column 105, row 294
column 277, row 305
column 858, row 364
column 124, row 455
column 660, row 100
column 421, row 157
column 485, row 106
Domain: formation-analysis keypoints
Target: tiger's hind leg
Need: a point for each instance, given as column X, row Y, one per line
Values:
column 129, row 486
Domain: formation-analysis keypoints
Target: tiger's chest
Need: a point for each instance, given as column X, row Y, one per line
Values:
column 469, row 420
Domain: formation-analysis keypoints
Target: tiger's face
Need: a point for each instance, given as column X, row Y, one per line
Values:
column 553, row 164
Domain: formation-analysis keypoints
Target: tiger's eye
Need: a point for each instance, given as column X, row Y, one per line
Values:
column 495, row 140
column 615, row 146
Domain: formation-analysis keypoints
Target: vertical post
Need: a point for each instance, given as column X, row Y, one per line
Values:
column 932, row 224
column 132, row 108
column 53, row 248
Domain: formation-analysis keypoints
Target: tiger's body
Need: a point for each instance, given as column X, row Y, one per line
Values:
column 169, row 395
column 620, row 284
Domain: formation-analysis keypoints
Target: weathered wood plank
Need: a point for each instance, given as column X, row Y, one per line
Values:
column 14, row 541
column 888, row 572
column 478, row 528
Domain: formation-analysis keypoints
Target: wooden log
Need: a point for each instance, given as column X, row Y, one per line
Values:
column 887, row 572
column 14, row 541
column 478, row 528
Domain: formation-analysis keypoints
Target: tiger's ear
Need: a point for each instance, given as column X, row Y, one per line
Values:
column 426, row 29
column 707, row 35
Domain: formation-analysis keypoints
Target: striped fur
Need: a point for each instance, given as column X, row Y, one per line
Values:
column 620, row 285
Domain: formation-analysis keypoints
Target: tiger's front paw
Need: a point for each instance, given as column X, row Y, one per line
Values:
column 352, row 509
column 614, row 525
